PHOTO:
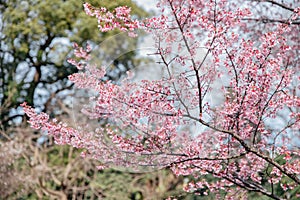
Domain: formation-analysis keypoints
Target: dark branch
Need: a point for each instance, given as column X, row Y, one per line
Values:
column 266, row 20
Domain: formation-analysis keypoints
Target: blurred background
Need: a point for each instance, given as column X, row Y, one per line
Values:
column 36, row 39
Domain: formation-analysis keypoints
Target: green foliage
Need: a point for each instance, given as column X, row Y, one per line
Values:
column 36, row 38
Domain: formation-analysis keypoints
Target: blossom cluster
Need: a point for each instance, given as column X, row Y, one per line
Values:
column 119, row 18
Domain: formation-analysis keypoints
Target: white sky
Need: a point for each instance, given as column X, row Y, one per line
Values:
column 148, row 5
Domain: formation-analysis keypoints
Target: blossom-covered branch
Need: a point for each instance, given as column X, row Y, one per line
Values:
column 241, row 139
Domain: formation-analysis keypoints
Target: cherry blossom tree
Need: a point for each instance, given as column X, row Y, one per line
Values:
column 247, row 142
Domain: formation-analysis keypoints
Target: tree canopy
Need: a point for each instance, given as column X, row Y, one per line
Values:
column 36, row 39
column 245, row 144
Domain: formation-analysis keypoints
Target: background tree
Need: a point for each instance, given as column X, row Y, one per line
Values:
column 35, row 42
column 151, row 121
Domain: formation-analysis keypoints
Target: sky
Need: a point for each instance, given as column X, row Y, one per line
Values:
column 148, row 5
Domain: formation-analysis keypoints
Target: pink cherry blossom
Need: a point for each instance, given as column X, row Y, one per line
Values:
column 170, row 123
